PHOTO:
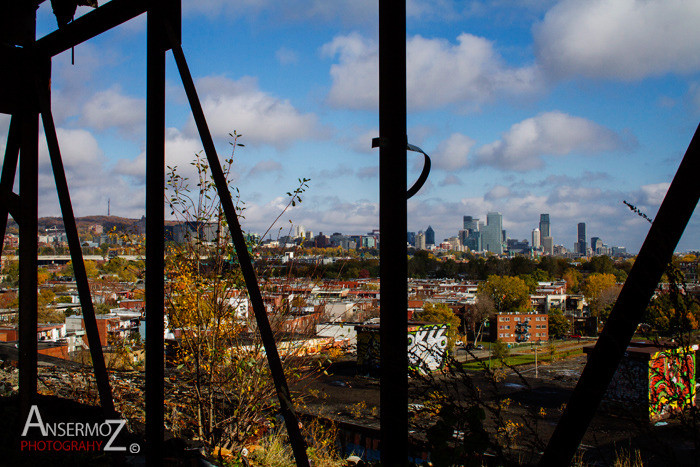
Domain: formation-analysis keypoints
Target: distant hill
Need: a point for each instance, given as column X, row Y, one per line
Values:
column 83, row 223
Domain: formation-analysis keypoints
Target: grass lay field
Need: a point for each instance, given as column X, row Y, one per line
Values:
column 521, row 359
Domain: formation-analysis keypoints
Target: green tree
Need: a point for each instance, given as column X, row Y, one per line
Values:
column 509, row 294
column 559, row 325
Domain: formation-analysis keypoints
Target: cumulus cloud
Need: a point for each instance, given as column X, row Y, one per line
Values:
column 453, row 153
column 179, row 152
column 552, row 133
column 260, row 117
column 439, row 73
column 619, row 39
column 112, row 109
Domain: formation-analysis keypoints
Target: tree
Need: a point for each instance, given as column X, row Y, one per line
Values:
column 573, row 280
column 228, row 394
column 509, row 294
column 443, row 314
column 559, row 325
column 601, row 291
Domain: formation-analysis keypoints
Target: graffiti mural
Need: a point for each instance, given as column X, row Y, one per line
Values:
column 671, row 382
column 367, row 350
column 427, row 347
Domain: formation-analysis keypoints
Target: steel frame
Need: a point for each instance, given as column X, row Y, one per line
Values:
column 163, row 23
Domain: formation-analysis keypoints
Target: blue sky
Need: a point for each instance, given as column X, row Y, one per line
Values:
column 526, row 107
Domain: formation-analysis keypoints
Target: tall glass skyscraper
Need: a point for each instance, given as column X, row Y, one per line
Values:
column 492, row 234
column 582, row 238
column 544, row 225
column 429, row 236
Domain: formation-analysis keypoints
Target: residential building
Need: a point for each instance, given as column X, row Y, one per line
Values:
column 514, row 328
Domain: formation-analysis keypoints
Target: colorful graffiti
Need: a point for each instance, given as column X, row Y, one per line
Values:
column 671, row 382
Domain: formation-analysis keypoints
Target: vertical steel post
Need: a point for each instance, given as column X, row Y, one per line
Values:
column 656, row 252
column 28, row 222
column 155, row 185
column 393, row 226
column 98, row 362
column 28, row 246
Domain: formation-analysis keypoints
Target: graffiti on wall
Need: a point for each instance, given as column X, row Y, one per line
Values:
column 427, row 347
column 368, row 352
column 671, row 382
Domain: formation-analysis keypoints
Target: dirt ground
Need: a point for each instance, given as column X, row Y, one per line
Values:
column 344, row 395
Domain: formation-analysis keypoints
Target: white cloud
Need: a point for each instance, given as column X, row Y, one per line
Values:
column 260, row 117
column 112, row 109
column 368, row 172
column 452, row 154
column 552, row 133
column 619, row 39
column 438, row 73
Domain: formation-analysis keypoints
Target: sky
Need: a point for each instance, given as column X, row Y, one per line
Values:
column 525, row 107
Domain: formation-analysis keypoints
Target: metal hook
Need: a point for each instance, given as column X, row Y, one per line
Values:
column 377, row 142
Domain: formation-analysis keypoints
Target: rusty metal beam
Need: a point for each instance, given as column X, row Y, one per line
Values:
column 655, row 254
column 393, row 265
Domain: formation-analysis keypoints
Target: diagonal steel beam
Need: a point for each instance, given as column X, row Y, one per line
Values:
column 655, row 254
column 76, row 253
column 7, row 179
column 91, row 24
column 268, row 339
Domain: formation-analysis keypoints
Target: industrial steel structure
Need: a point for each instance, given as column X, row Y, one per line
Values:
column 25, row 94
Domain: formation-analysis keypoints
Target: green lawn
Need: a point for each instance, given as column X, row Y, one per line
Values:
column 521, row 359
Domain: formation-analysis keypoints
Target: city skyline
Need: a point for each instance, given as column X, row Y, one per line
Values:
column 517, row 117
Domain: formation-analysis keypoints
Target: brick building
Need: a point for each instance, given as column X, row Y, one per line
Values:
column 515, row 328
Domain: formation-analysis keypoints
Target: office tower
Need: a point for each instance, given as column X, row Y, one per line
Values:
column 548, row 245
column 596, row 244
column 471, row 223
column 429, row 236
column 411, row 238
column 544, row 225
column 535, row 239
column 492, row 235
column 299, row 231
column 420, row 240
column 581, row 243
